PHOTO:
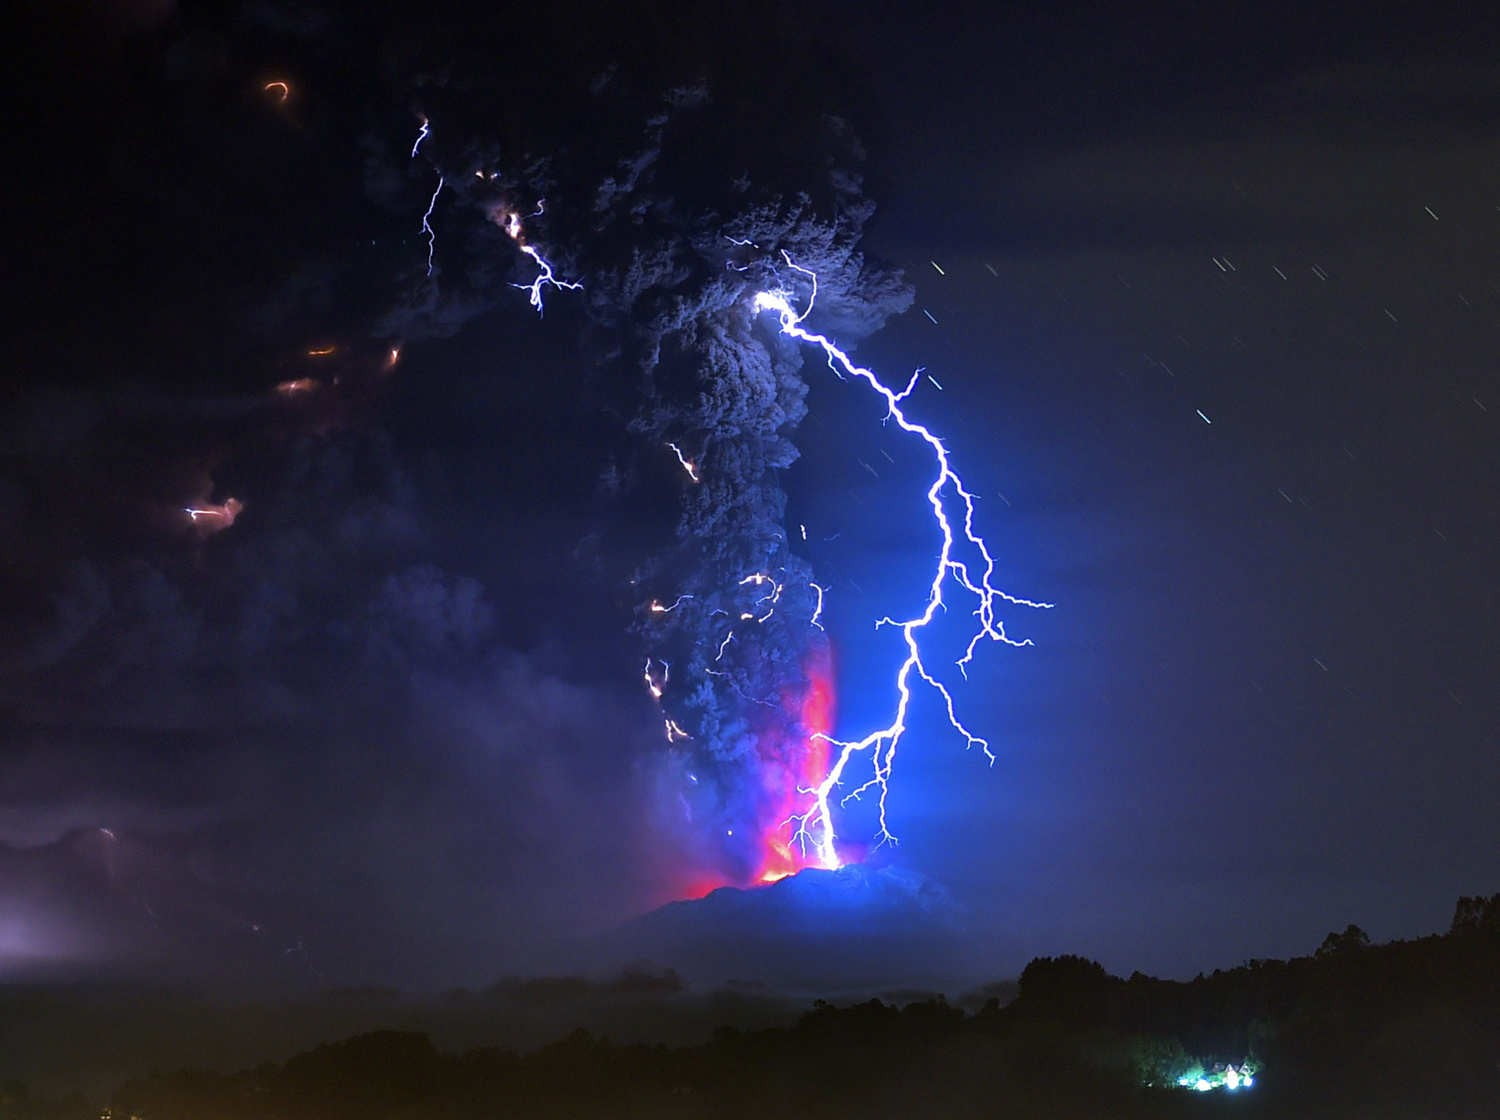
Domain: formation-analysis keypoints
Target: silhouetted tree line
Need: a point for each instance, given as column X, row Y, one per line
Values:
column 1409, row 1028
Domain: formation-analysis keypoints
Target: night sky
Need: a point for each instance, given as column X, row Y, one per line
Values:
column 1212, row 302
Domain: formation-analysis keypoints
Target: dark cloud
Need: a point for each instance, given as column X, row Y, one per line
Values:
column 672, row 246
column 393, row 714
column 312, row 703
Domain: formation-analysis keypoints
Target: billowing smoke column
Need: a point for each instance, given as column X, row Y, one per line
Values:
column 666, row 262
column 685, row 286
column 733, row 609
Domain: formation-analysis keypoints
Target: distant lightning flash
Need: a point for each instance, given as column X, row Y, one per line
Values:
column 654, row 686
column 974, row 573
column 818, row 610
column 427, row 223
column 773, row 596
column 508, row 220
column 545, row 275
column 815, row 826
column 687, row 464
column 211, row 517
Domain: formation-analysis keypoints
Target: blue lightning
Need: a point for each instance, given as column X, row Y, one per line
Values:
column 975, row 575
column 510, row 221
column 545, row 275
column 427, row 223
column 815, row 826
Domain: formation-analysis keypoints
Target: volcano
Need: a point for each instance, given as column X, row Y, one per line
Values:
column 859, row 929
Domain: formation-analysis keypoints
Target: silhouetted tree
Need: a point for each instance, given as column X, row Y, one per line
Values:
column 1351, row 940
column 1476, row 914
column 1062, row 980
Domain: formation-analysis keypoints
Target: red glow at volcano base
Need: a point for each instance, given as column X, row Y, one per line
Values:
column 805, row 765
column 791, row 760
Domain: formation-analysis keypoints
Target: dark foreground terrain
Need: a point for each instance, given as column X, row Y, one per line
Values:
column 1406, row 1029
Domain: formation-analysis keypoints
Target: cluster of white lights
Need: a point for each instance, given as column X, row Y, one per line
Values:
column 1230, row 1079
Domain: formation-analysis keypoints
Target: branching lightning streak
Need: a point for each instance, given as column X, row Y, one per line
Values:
column 545, row 275
column 425, row 132
column 427, row 223
column 815, row 826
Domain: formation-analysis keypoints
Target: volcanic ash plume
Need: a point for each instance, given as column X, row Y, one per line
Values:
column 729, row 613
column 664, row 247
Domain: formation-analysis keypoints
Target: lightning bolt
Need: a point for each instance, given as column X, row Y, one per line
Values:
column 215, row 517
column 545, row 275
column 427, row 223
column 975, row 576
column 509, row 221
column 687, row 464
column 760, row 579
column 818, row 611
column 653, row 686
column 953, row 510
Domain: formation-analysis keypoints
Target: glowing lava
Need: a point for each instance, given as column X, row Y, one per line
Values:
column 807, row 761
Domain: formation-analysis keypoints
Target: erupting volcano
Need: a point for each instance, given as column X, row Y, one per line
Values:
column 782, row 851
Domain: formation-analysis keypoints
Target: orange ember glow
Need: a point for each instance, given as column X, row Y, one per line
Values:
column 211, row 517
column 321, row 351
column 296, row 388
column 808, row 763
column 392, row 357
column 281, row 89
